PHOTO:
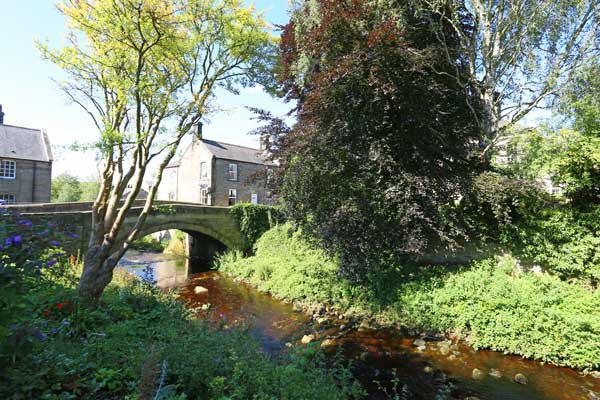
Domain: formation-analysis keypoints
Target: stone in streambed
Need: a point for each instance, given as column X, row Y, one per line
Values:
column 327, row 343
column 495, row 373
column 477, row 374
column 419, row 343
column 200, row 289
column 521, row 379
column 306, row 339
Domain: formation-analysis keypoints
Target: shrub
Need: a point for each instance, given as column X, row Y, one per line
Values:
column 254, row 220
column 539, row 317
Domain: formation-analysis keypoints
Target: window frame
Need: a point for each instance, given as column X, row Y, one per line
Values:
column 204, row 197
column 232, row 194
column 203, row 170
column 6, row 198
column 4, row 168
column 232, row 175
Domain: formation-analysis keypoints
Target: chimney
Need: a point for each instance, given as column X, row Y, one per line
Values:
column 1, row 116
column 198, row 132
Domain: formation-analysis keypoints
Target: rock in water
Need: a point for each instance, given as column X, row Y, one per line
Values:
column 419, row 343
column 200, row 289
column 306, row 339
column 477, row 374
column 327, row 343
column 521, row 379
column 495, row 373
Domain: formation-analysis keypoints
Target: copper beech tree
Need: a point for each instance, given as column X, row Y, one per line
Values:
column 383, row 143
column 145, row 72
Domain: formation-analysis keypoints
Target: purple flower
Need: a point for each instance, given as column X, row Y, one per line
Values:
column 51, row 263
column 8, row 242
column 18, row 240
column 72, row 235
column 55, row 243
column 25, row 222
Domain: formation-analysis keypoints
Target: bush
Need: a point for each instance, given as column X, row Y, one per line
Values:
column 148, row 243
column 563, row 241
column 254, row 220
column 54, row 347
column 539, row 317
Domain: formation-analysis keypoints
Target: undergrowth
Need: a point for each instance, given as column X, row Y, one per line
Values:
column 490, row 301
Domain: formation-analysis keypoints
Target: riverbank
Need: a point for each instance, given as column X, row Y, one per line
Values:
column 140, row 343
column 489, row 303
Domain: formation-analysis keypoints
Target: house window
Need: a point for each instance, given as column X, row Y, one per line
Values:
column 203, row 170
column 269, row 199
column 7, row 198
column 254, row 198
column 204, row 198
column 232, row 196
column 8, row 169
column 269, row 176
column 232, row 173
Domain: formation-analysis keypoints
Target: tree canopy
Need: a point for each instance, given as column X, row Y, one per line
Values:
column 145, row 71
column 383, row 142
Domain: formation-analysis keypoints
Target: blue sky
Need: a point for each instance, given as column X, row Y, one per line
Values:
column 30, row 98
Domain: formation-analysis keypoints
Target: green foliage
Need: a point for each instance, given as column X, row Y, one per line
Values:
column 577, row 170
column 563, row 241
column 135, row 334
column 254, row 220
column 148, row 243
column 491, row 301
column 495, row 204
column 582, row 99
column 66, row 188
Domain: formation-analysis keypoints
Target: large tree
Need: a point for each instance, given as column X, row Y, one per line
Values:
column 145, row 72
column 383, row 143
column 521, row 53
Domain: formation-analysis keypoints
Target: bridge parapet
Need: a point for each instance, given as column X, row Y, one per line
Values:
column 214, row 222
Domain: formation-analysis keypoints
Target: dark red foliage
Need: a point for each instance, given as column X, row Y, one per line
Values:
column 385, row 135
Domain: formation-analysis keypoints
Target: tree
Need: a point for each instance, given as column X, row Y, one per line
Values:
column 383, row 144
column 65, row 188
column 521, row 53
column 145, row 72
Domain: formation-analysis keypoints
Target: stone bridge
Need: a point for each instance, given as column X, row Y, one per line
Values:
column 210, row 229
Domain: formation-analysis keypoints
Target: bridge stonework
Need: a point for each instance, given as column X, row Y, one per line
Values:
column 210, row 228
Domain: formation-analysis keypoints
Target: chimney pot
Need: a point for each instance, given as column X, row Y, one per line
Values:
column 199, row 130
column 1, row 116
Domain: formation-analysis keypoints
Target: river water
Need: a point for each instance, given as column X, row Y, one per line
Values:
column 385, row 356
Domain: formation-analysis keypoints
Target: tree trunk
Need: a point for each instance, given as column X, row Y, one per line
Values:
column 97, row 274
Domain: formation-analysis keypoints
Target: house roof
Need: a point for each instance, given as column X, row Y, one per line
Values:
column 236, row 153
column 24, row 143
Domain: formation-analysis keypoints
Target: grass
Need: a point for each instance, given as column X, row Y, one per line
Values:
column 494, row 306
column 139, row 340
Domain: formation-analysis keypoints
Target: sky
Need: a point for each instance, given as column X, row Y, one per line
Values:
column 30, row 98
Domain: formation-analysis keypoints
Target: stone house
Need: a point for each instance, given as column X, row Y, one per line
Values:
column 25, row 164
column 218, row 174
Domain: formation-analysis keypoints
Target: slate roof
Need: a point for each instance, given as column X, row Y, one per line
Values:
column 236, row 153
column 24, row 143
column 227, row 151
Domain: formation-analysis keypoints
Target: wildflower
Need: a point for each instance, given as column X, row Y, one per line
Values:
column 51, row 263
column 72, row 235
column 55, row 243
column 17, row 240
column 59, row 305
column 46, row 313
column 25, row 222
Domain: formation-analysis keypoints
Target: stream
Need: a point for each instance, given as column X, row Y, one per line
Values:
column 428, row 367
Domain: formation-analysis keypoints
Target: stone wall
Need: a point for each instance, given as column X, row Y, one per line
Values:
column 251, row 179
column 32, row 182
